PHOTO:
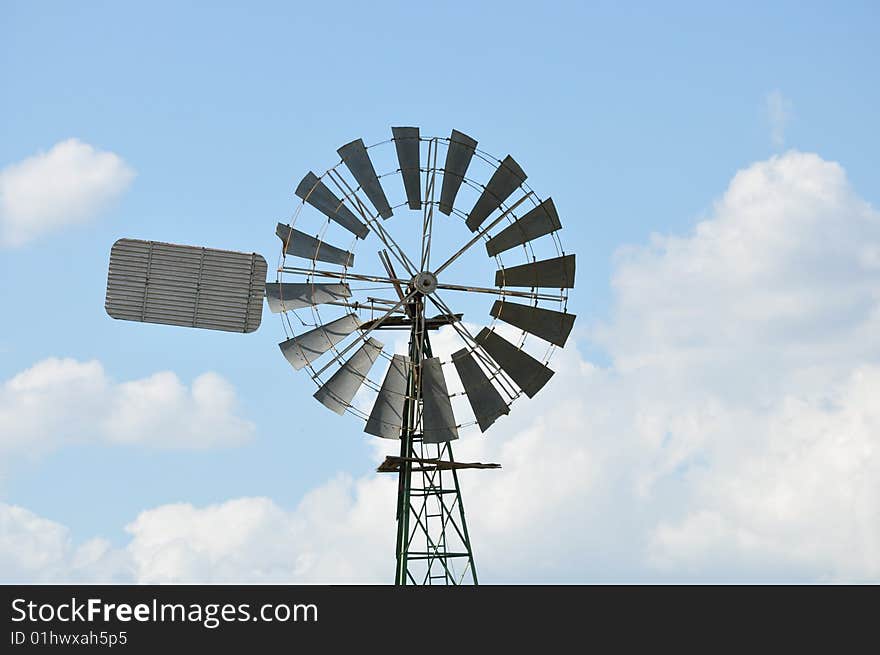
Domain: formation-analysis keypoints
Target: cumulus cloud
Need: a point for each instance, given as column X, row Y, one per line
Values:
column 255, row 540
column 780, row 279
column 243, row 540
column 63, row 401
column 70, row 184
column 732, row 437
column 778, row 110
column 35, row 549
column 797, row 498
column 752, row 344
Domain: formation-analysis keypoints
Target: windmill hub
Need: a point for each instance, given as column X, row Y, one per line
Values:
column 425, row 282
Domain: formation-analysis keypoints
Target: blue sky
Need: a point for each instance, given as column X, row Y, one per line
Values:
column 633, row 116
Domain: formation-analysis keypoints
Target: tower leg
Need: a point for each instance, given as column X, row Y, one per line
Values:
column 403, row 507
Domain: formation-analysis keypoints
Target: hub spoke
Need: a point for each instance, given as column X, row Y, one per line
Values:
column 344, row 275
column 479, row 235
column 428, row 216
column 353, row 199
column 363, row 336
column 501, row 291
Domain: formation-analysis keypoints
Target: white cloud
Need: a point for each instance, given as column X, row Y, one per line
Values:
column 778, row 110
column 752, row 344
column 62, row 401
column 734, row 436
column 803, row 500
column 67, row 185
column 242, row 540
column 255, row 540
column 34, row 549
column 779, row 280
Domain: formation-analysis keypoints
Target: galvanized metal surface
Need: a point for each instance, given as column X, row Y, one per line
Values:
column 545, row 323
column 386, row 418
column 304, row 245
column 486, row 403
column 458, row 158
column 305, row 348
column 286, row 296
column 504, row 181
column 406, row 141
column 538, row 222
column 529, row 374
column 190, row 286
column 338, row 392
column 358, row 161
column 556, row 273
column 316, row 193
column 438, row 421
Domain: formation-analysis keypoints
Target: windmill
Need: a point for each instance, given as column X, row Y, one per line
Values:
column 332, row 311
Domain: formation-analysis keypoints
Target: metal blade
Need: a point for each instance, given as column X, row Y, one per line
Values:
column 556, row 273
column 355, row 156
column 406, row 140
column 338, row 392
column 484, row 398
column 316, row 193
column 190, row 286
column 528, row 373
column 386, row 419
column 458, row 158
column 541, row 220
column 505, row 180
column 545, row 323
column 283, row 297
column 305, row 348
column 438, row 421
column 301, row 244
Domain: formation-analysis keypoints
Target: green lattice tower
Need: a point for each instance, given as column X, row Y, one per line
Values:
column 433, row 546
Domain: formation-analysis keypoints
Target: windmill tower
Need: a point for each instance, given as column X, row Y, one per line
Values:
column 333, row 312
